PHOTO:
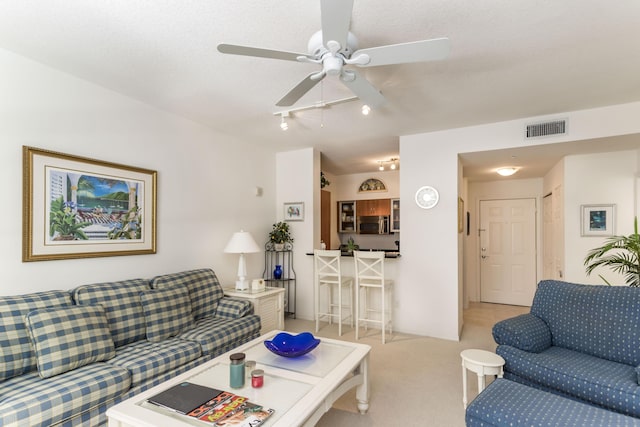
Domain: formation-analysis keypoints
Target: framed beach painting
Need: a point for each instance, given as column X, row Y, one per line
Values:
column 76, row 207
column 598, row 220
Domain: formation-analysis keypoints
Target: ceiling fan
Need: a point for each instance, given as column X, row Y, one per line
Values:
column 335, row 47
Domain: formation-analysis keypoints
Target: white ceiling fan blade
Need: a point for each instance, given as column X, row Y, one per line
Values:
column 301, row 88
column 364, row 90
column 336, row 17
column 420, row 51
column 259, row 52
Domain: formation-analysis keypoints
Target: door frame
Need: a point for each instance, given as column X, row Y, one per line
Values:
column 472, row 249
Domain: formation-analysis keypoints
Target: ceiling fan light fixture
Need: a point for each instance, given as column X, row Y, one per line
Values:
column 506, row 171
column 366, row 110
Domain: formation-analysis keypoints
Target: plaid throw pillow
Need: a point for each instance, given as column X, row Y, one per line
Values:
column 68, row 338
column 166, row 312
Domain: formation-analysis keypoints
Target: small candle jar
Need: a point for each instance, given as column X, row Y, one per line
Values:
column 257, row 378
column 236, row 370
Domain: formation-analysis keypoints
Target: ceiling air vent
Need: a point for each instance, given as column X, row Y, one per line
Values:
column 537, row 130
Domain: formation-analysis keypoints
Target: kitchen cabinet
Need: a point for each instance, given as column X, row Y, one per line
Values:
column 347, row 217
column 373, row 207
column 395, row 215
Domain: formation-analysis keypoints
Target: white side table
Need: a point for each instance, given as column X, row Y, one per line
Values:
column 268, row 304
column 481, row 362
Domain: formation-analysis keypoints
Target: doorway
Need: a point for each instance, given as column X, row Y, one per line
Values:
column 508, row 251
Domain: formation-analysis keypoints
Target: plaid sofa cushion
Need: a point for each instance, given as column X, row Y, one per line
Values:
column 204, row 289
column 121, row 302
column 29, row 400
column 217, row 334
column 146, row 360
column 69, row 337
column 234, row 308
column 166, row 311
column 16, row 356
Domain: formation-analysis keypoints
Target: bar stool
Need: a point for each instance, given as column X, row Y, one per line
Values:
column 328, row 274
column 370, row 276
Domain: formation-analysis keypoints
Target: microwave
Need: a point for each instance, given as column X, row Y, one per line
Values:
column 373, row 224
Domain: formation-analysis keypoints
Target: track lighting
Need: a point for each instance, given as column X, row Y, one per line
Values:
column 287, row 113
column 393, row 163
column 283, row 124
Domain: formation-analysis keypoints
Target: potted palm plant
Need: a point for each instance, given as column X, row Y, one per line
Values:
column 621, row 254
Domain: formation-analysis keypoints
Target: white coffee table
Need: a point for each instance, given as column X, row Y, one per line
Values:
column 300, row 389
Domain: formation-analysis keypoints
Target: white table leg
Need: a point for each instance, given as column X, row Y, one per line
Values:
column 480, row 382
column 364, row 389
column 464, row 385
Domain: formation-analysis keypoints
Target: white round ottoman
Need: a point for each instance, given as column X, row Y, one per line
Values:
column 481, row 362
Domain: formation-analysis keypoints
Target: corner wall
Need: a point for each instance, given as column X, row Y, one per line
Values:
column 429, row 288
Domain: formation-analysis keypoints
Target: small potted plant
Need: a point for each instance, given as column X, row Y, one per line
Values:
column 280, row 235
column 351, row 245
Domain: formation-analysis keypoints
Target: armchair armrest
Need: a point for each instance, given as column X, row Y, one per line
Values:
column 525, row 332
column 233, row 308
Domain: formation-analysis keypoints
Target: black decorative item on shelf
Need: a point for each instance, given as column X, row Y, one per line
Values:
column 279, row 273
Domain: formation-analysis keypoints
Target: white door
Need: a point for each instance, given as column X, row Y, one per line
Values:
column 508, row 251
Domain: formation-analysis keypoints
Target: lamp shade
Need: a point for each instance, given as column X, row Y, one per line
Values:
column 242, row 243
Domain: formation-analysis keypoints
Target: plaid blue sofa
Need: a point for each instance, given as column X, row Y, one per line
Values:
column 578, row 341
column 65, row 357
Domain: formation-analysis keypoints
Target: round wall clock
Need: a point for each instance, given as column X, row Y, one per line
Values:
column 427, row 197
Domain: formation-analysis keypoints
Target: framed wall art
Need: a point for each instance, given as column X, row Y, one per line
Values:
column 372, row 184
column 76, row 207
column 294, row 211
column 598, row 220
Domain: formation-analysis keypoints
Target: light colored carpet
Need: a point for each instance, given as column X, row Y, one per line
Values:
column 415, row 381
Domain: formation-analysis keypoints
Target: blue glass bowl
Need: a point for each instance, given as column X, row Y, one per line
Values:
column 288, row 345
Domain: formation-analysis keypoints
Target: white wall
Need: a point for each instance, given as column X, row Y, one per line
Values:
column 206, row 180
column 298, row 180
column 429, row 293
column 603, row 178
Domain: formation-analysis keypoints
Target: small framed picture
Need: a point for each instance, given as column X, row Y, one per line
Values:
column 294, row 211
column 598, row 220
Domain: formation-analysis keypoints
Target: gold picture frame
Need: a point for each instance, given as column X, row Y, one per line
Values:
column 77, row 207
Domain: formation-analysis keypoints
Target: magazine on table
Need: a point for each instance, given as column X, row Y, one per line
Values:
column 249, row 415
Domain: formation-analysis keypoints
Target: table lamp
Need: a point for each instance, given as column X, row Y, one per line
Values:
column 242, row 243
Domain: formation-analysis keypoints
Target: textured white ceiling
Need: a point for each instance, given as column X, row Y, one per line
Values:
column 509, row 59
